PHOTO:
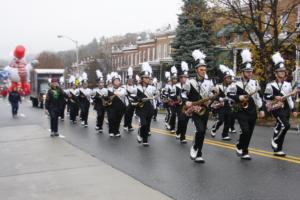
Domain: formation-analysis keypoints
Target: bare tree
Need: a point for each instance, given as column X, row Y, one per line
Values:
column 49, row 60
column 266, row 24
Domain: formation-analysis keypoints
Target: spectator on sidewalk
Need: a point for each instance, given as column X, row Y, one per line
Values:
column 14, row 99
column 54, row 100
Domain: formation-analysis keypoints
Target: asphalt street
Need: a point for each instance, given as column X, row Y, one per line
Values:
column 165, row 165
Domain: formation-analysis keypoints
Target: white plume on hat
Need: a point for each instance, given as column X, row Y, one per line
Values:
column 246, row 56
column 130, row 71
column 99, row 74
column 277, row 58
column 199, row 55
column 108, row 78
column 154, row 80
column 84, row 76
column 137, row 77
column 174, row 71
column 224, row 69
column 72, row 79
column 184, row 66
column 146, row 68
column 61, row 80
column 115, row 75
column 167, row 75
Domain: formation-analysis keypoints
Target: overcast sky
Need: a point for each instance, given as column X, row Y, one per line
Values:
column 36, row 23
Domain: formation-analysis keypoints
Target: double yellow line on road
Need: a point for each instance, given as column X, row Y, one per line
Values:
column 254, row 151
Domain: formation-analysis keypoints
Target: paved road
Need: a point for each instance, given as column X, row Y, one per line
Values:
column 166, row 166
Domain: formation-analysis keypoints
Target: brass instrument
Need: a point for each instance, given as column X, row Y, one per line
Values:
column 108, row 102
column 198, row 106
column 143, row 101
column 244, row 104
column 275, row 104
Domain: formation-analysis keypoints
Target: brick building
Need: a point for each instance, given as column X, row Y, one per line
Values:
column 156, row 51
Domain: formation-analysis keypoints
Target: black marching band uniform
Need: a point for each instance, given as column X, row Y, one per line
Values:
column 196, row 90
column 117, row 107
column 99, row 102
column 131, row 90
column 245, row 94
column 222, row 105
column 174, row 99
column 183, row 119
column 145, row 108
column 84, row 100
column 165, row 99
column 73, row 103
column 280, row 109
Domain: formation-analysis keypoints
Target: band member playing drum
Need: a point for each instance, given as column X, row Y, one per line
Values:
column 279, row 102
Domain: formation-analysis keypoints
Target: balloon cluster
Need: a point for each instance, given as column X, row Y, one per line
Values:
column 18, row 71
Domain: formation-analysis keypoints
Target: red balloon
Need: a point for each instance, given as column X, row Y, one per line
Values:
column 19, row 51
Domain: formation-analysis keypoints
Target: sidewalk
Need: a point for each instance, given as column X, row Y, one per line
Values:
column 35, row 166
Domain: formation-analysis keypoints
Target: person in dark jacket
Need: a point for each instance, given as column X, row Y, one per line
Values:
column 54, row 100
column 14, row 99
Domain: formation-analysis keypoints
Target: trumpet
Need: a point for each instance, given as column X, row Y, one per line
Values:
column 275, row 104
column 143, row 101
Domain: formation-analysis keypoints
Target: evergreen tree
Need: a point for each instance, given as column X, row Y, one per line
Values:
column 194, row 31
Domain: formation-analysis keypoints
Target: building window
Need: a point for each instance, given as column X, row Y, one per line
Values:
column 268, row 21
column 136, row 59
column 149, row 51
column 153, row 53
column 158, row 51
column 284, row 19
column 165, row 50
column 144, row 56
column 298, row 17
column 162, row 50
column 132, row 59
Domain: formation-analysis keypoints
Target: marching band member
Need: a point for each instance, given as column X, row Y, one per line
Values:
column 165, row 98
column 98, row 95
column 117, row 107
column 222, row 104
column 279, row 102
column 183, row 119
column 145, row 110
column 174, row 99
column 64, row 103
column 198, row 92
column 84, row 100
column 245, row 93
column 131, row 90
column 73, row 100
column 154, row 83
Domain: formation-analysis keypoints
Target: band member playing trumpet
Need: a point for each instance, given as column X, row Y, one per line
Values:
column 222, row 105
column 145, row 94
column 245, row 93
column 73, row 100
column 279, row 101
column 196, row 90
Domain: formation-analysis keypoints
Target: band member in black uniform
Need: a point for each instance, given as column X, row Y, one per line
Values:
column 165, row 99
column 174, row 99
column 153, row 82
column 130, row 101
column 145, row 108
column 73, row 100
column 53, row 103
column 183, row 119
column 84, row 100
column 279, row 102
column 98, row 101
column 117, row 109
column 198, row 89
column 245, row 94
column 222, row 104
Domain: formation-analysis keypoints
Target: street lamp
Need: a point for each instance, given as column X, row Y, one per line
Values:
column 76, row 44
